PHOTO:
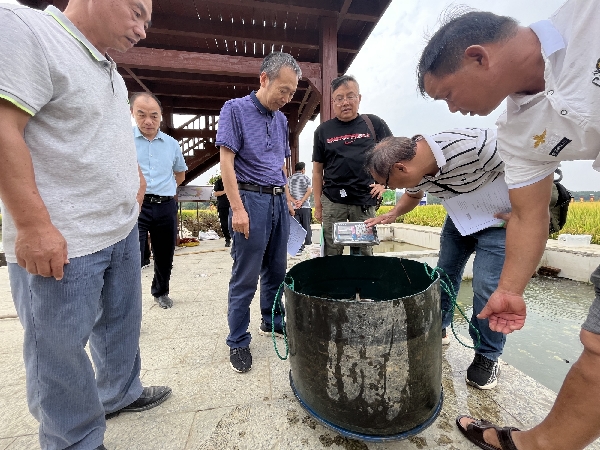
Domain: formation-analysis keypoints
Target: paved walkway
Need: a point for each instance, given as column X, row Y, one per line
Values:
column 213, row 407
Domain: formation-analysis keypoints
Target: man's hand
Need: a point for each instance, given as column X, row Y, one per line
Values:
column 41, row 250
column 503, row 216
column 298, row 203
column 319, row 213
column 240, row 222
column 505, row 311
column 386, row 218
column 377, row 190
column 291, row 210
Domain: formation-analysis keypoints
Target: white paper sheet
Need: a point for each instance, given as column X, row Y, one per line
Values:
column 475, row 211
column 296, row 238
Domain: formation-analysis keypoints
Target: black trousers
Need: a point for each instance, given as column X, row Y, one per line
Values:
column 304, row 215
column 160, row 220
column 224, row 219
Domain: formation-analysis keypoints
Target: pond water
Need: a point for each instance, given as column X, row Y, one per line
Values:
column 548, row 344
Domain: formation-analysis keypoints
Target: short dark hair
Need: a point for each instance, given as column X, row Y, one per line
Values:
column 444, row 51
column 389, row 151
column 135, row 95
column 299, row 166
column 344, row 79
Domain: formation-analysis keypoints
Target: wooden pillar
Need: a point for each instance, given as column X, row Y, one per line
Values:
column 328, row 60
column 166, row 125
column 294, row 141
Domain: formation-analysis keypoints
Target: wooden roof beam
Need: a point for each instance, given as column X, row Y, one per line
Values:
column 173, row 60
column 323, row 8
column 190, row 28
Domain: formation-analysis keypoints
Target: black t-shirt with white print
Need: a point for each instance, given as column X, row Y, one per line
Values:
column 341, row 147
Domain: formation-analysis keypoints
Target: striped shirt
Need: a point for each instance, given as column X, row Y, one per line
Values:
column 467, row 159
column 299, row 184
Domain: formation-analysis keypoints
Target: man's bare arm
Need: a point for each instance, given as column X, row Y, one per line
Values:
column 142, row 190
column 406, row 204
column 40, row 247
column 179, row 177
column 239, row 221
column 317, row 187
column 526, row 236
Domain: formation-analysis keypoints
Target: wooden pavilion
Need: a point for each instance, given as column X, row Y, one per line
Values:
column 199, row 54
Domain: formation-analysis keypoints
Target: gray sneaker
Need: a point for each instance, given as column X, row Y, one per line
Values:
column 164, row 301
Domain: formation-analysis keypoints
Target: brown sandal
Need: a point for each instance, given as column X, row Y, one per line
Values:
column 474, row 433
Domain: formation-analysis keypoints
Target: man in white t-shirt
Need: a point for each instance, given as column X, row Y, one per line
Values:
column 69, row 181
column 550, row 73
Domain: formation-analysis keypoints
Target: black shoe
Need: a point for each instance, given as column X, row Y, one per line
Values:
column 227, row 243
column 151, row 396
column 240, row 359
column 483, row 373
column 164, row 301
column 102, row 447
column 265, row 330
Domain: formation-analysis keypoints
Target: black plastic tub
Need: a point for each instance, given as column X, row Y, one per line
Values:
column 365, row 344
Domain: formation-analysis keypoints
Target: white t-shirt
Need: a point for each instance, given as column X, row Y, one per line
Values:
column 79, row 135
column 467, row 159
column 562, row 123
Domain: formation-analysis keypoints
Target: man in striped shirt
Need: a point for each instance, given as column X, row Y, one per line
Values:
column 300, row 188
column 447, row 164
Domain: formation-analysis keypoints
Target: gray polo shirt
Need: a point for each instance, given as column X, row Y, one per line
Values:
column 79, row 135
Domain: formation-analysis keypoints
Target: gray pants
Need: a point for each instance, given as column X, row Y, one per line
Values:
column 339, row 212
column 592, row 323
column 98, row 301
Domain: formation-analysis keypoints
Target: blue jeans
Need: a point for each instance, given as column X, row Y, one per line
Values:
column 264, row 255
column 98, row 300
column 455, row 250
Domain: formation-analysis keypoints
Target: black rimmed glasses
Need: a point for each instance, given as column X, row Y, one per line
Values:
column 387, row 180
column 349, row 98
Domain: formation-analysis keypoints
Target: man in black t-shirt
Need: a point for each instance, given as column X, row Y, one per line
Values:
column 342, row 188
column 223, row 209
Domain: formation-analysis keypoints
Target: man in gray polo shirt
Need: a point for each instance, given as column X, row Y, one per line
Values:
column 69, row 182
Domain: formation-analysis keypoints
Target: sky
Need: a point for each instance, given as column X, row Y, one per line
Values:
column 385, row 70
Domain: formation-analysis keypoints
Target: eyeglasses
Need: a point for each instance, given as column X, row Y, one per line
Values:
column 350, row 98
column 387, row 180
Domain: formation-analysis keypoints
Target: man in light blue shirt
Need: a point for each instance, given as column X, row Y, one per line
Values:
column 163, row 166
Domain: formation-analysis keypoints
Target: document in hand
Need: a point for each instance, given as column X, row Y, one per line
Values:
column 475, row 211
column 296, row 238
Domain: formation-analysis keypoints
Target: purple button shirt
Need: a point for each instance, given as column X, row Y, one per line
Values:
column 259, row 139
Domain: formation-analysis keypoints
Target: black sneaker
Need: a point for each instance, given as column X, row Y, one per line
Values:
column 483, row 373
column 265, row 330
column 445, row 337
column 240, row 359
column 227, row 243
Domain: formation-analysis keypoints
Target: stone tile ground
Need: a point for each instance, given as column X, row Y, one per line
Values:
column 213, row 408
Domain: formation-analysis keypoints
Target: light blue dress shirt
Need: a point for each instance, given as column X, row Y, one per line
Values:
column 158, row 159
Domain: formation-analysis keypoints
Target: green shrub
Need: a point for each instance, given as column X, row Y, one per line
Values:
column 202, row 220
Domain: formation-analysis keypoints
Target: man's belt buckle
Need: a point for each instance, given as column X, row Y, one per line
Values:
column 278, row 190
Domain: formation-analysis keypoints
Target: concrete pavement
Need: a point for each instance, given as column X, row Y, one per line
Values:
column 213, row 407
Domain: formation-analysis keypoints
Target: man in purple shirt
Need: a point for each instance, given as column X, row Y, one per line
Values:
column 253, row 141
